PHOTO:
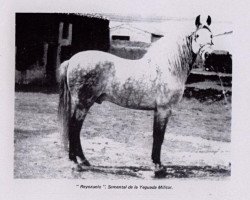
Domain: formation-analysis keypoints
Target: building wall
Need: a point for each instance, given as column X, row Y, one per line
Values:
column 37, row 39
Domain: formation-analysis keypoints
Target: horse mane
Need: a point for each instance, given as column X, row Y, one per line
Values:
column 175, row 51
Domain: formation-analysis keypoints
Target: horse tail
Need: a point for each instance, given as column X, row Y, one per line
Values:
column 64, row 108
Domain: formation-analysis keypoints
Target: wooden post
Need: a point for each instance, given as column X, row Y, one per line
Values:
column 45, row 53
column 51, row 63
column 53, row 55
column 63, row 41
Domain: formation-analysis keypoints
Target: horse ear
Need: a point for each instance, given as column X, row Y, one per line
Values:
column 198, row 21
column 209, row 20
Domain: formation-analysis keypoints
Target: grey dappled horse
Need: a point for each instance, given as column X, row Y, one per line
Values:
column 155, row 82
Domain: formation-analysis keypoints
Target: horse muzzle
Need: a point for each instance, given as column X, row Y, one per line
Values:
column 206, row 51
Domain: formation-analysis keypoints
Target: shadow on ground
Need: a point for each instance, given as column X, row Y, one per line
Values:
column 173, row 171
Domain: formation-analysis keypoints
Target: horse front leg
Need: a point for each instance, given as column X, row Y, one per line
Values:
column 75, row 148
column 161, row 116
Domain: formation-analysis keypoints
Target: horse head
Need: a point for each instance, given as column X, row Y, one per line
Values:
column 202, row 38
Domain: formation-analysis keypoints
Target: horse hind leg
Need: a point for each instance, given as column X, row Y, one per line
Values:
column 101, row 98
column 75, row 147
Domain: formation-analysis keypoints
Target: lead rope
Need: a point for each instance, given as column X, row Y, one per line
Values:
column 223, row 88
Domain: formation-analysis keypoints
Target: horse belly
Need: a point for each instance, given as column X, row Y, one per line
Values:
column 135, row 94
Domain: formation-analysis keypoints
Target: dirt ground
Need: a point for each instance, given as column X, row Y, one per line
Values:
column 118, row 141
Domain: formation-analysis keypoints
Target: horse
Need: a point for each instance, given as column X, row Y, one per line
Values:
column 155, row 82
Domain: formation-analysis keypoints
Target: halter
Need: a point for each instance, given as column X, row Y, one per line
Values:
column 206, row 27
column 199, row 28
column 189, row 40
column 190, row 37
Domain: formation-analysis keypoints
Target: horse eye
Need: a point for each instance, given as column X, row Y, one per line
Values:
column 197, row 36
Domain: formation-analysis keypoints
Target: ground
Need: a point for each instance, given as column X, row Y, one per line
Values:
column 118, row 141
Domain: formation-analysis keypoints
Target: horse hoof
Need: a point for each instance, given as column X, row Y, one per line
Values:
column 73, row 159
column 160, row 172
column 83, row 166
column 85, row 163
column 79, row 168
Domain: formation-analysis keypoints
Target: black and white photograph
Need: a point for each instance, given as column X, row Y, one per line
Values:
column 132, row 103
column 136, row 96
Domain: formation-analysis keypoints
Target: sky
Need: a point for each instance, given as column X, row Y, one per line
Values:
column 176, row 8
column 221, row 10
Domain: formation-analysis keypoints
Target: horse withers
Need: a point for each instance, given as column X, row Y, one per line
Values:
column 155, row 82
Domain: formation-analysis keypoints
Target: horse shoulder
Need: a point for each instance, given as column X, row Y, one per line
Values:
column 170, row 88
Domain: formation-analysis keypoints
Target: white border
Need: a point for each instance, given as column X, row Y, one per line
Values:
column 236, row 188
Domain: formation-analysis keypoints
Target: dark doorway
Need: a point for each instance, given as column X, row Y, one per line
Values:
column 120, row 37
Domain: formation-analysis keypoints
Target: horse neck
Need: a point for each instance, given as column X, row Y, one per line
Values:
column 185, row 59
column 174, row 54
